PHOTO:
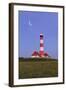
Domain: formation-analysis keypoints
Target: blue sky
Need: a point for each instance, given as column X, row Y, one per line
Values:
column 31, row 24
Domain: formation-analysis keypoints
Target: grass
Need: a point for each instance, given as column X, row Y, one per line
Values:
column 37, row 67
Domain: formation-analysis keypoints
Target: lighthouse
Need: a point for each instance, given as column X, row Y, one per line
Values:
column 41, row 52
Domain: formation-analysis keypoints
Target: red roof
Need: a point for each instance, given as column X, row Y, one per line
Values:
column 46, row 54
column 35, row 53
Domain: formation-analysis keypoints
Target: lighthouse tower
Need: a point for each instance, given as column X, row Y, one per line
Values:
column 41, row 52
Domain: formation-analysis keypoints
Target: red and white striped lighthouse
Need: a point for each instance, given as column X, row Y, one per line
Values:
column 41, row 52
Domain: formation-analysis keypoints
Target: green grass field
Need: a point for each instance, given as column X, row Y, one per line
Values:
column 37, row 67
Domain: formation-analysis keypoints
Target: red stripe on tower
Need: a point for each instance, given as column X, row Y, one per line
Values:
column 41, row 52
column 41, row 45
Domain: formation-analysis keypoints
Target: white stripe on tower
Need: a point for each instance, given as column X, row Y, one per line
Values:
column 41, row 41
column 41, row 49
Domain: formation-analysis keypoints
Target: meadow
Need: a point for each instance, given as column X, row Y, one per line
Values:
column 37, row 67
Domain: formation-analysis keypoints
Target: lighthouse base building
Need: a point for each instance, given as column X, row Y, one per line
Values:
column 38, row 55
column 41, row 53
